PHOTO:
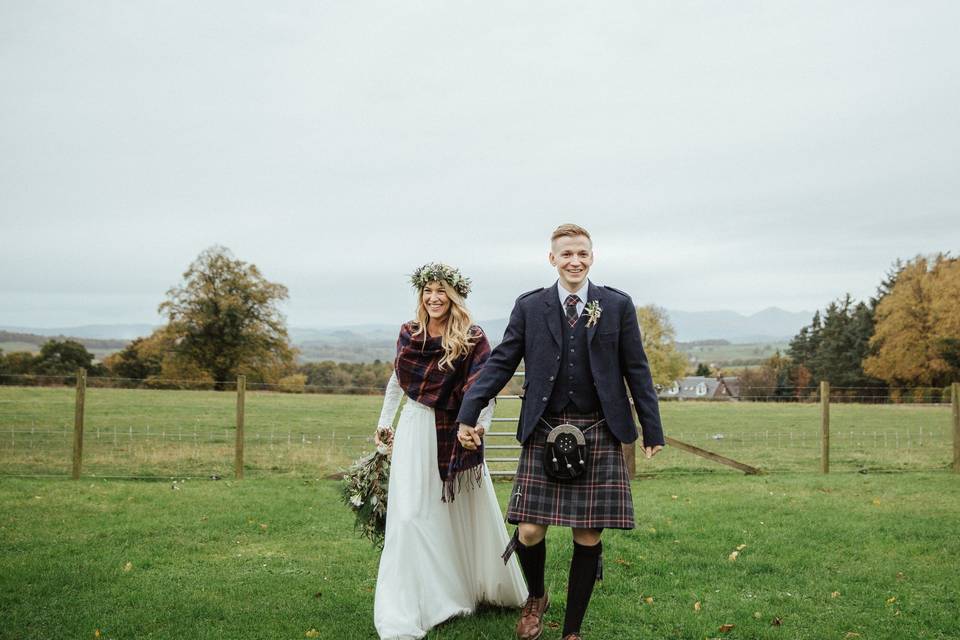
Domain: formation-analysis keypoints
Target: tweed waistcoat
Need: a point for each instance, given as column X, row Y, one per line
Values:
column 574, row 382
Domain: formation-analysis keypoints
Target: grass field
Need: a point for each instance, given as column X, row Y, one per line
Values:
column 839, row 557
column 152, row 433
column 727, row 354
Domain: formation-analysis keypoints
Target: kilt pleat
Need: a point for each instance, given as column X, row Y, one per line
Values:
column 598, row 499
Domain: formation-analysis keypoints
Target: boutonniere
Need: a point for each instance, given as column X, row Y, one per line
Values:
column 593, row 310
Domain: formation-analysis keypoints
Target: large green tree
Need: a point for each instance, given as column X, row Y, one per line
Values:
column 667, row 364
column 224, row 319
column 136, row 361
column 62, row 358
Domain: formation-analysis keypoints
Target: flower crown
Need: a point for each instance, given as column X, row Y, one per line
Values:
column 439, row 272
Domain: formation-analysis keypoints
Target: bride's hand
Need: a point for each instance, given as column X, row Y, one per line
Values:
column 384, row 436
column 469, row 437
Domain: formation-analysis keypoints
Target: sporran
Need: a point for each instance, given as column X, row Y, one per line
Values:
column 565, row 453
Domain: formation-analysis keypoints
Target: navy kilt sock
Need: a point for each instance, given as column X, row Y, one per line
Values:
column 532, row 561
column 584, row 572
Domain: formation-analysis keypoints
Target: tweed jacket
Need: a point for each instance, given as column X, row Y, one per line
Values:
column 534, row 334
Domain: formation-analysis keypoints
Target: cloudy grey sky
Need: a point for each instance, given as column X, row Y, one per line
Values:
column 733, row 155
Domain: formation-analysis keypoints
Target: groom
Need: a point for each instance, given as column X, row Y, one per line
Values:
column 579, row 342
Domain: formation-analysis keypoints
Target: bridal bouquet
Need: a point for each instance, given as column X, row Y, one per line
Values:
column 365, row 492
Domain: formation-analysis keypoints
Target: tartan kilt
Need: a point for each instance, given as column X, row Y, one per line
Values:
column 598, row 499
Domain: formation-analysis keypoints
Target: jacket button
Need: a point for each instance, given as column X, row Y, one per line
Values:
column 558, row 357
column 544, row 398
column 551, row 378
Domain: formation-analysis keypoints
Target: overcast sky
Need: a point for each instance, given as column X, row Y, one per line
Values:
column 733, row 155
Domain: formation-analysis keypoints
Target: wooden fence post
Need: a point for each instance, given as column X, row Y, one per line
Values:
column 630, row 458
column 824, row 427
column 955, row 399
column 238, row 459
column 78, row 422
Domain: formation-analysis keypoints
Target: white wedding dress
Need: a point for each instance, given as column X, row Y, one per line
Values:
column 440, row 559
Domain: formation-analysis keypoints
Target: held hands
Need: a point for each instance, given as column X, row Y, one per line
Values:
column 470, row 438
column 651, row 451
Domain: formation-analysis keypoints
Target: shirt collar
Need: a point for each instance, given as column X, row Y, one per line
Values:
column 581, row 293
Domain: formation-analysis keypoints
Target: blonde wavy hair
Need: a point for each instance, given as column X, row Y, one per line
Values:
column 457, row 339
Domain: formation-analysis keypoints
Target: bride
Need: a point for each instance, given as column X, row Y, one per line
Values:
column 444, row 530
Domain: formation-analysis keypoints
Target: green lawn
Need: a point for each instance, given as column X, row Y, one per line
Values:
column 725, row 354
column 274, row 557
column 151, row 433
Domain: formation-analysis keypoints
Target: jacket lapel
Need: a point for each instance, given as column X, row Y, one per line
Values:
column 551, row 313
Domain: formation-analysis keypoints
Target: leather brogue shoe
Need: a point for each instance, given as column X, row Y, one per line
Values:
column 530, row 625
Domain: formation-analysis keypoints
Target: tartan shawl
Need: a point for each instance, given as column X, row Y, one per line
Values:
column 418, row 371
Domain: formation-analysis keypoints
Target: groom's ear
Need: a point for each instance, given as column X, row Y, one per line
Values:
column 552, row 258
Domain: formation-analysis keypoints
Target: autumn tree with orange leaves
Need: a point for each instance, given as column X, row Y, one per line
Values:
column 916, row 338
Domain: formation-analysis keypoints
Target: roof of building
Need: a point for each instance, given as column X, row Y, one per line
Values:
column 694, row 387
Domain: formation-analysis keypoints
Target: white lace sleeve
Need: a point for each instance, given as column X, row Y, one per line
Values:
column 486, row 416
column 391, row 402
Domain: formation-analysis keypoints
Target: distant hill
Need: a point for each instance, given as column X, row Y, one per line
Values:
column 769, row 325
column 38, row 341
column 96, row 331
column 366, row 343
column 299, row 335
column 346, row 344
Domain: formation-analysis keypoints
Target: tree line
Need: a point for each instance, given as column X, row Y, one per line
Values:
column 58, row 361
column 904, row 342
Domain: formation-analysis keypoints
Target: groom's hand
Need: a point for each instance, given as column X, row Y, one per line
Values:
column 651, row 451
column 469, row 437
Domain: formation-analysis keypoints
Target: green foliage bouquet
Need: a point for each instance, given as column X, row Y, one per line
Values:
column 365, row 492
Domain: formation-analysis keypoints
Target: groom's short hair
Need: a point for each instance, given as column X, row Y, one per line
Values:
column 569, row 231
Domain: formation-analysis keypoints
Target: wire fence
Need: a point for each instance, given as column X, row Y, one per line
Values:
column 162, row 433
column 745, row 393
column 103, row 382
